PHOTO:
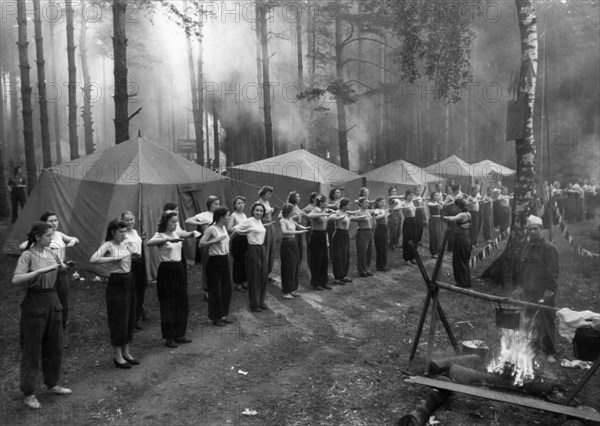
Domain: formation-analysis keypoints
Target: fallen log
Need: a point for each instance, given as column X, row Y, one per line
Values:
column 419, row 414
column 467, row 376
column 442, row 366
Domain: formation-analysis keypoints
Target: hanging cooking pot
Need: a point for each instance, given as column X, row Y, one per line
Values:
column 508, row 317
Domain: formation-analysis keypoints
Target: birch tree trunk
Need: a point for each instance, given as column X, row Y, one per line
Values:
column 504, row 268
column 14, row 115
column 341, row 107
column 86, row 112
column 39, row 49
column 56, row 109
column 72, row 84
column 26, row 90
column 120, row 71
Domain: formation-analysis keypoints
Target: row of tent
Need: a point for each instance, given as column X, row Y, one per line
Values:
column 141, row 176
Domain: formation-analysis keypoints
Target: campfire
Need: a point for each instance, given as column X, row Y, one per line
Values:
column 517, row 356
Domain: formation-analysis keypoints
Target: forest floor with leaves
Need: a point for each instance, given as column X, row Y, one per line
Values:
column 335, row 357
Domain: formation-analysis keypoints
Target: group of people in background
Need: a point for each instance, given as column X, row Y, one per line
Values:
column 578, row 200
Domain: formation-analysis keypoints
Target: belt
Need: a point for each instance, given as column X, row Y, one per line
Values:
column 41, row 290
column 255, row 244
column 289, row 239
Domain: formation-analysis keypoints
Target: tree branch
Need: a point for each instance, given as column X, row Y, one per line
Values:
column 361, row 83
column 134, row 114
column 350, row 36
column 364, row 61
column 370, row 39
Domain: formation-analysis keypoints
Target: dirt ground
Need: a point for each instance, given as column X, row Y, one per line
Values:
column 335, row 357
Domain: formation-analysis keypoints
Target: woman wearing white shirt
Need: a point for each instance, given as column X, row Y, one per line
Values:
column 138, row 265
column 171, row 284
column 409, row 228
column 115, row 254
column 218, row 276
column 59, row 245
column 256, row 257
column 289, row 252
column 239, row 244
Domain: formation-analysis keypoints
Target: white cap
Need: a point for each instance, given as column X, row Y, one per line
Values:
column 534, row 221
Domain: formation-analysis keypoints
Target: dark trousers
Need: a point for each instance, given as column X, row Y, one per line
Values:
column 340, row 253
column 409, row 233
column 239, row 247
column 17, row 198
column 319, row 259
column 420, row 221
column 461, row 259
column 62, row 291
column 218, row 279
column 290, row 264
column 41, row 340
column 269, row 245
column 487, row 221
column 120, row 308
column 436, row 230
column 381, row 247
column 475, row 226
column 300, row 242
column 393, row 228
column 544, row 326
column 364, row 250
column 256, row 270
column 140, row 281
column 171, row 287
column 308, row 234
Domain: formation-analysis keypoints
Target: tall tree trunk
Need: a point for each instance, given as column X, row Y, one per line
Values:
column 200, row 140
column 299, row 56
column 4, row 210
column 262, row 12
column 86, row 112
column 216, row 134
column 341, row 107
column 312, row 41
column 56, row 109
column 72, row 85
column 257, row 38
column 504, row 268
column 120, row 71
column 26, row 95
column 14, row 116
column 195, row 112
column 39, row 49
column 445, row 149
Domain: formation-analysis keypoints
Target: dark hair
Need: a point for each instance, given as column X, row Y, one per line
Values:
column 264, row 190
column 462, row 204
column 378, row 200
column 210, row 201
column 362, row 200
column 292, row 197
column 125, row 213
column 319, row 199
column 16, row 169
column 235, row 200
column 255, row 205
column 408, row 192
column 46, row 215
column 432, row 195
column 164, row 219
column 170, row 206
column 114, row 225
column 313, row 196
column 286, row 209
column 332, row 193
column 391, row 188
column 219, row 213
column 362, row 191
column 344, row 202
column 455, row 187
column 38, row 228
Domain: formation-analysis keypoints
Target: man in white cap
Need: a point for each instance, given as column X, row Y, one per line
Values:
column 538, row 278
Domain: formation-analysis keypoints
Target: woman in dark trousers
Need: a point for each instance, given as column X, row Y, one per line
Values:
column 319, row 259
column 115, row 253
column 239, row 245
column 364, row 237
column 333, row 203
column 380, row 236
column 297, row 215
column 41, row 333
column 171, row 282
column 256, row 257
column 409, row 229
column 218, row 275
column 436, row 227
column 17, row 185
column 138, row 265
column 461, row 255
column 289, row 252
column 340, row 243
column 305, row 211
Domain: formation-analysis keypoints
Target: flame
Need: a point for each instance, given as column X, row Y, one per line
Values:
column 516, row 357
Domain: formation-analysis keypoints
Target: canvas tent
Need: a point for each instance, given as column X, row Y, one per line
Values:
column 452, row 168
column 136, row 175
column 401, row 174
column 489, row 170
column 297, row 170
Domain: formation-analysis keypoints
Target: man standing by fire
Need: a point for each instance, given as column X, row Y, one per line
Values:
column 538, row 279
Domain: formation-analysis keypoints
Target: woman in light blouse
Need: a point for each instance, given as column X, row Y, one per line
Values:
column 171, row 283
column 218, row 276
column 380, row 214
column 297, row 215
column 115, row 254
column 38, row 268
column 436, row 226
column 340, row 243
column 239, row 244
column 319, row 259
column 256, row 257
column 461, row 255
column 59, row 245
column 138, row 265
column 409, row 228
column 289, row 252
column 364, row 237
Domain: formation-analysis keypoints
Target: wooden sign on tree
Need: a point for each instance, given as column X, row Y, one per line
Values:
column 516, row 118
